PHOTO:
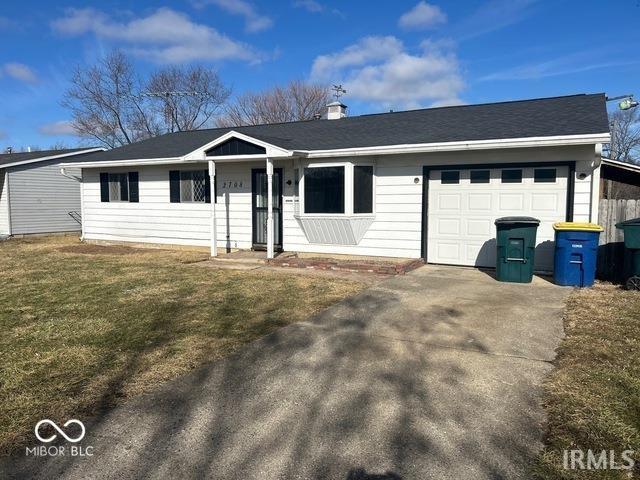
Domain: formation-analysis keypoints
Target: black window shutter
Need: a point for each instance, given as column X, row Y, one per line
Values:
column 207, row 187
column 174, row 186
column 133, row 187
column 104, row 187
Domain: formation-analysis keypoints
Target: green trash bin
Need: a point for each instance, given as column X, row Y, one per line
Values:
column 516, row 241
column 631, row 229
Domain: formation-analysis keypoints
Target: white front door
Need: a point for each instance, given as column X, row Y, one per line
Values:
column 463, row 205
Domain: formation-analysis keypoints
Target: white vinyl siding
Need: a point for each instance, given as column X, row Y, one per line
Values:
column 154, row 219
column 395, row 229
column 41, row 198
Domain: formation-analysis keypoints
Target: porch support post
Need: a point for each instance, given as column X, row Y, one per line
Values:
column 212, row 180
column 269, row 208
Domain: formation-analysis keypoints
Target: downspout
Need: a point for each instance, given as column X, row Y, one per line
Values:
column 594, row 207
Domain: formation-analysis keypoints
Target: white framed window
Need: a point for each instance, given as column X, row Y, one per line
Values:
column 341, row 188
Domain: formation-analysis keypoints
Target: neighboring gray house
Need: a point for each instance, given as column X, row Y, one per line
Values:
column 35, row 197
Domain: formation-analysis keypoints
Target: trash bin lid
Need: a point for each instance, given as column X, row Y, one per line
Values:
column 512, row 220
column 577, row 227
column 626, row 223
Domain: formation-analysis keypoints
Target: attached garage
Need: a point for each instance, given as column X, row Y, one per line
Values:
column 463, row 204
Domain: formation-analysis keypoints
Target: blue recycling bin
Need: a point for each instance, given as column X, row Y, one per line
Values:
column 576, row 253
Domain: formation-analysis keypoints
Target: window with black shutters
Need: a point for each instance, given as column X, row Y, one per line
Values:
column 324, row 190
column 119, row 187
column 189, row 186
column 363, row 189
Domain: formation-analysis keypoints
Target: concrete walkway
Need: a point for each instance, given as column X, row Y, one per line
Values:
column 432, row 375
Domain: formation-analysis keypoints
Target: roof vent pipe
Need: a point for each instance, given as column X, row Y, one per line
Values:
column 336, row 110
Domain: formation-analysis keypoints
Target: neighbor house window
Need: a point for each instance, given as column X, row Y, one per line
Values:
column 363, row 189
column 324, row 190
column 544, row 175
column 450, row 177
column 480, row 176
column 119, row 187
column 511, row 176
column 189, row 186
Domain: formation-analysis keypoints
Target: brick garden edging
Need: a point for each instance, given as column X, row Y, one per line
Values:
column 319, row 263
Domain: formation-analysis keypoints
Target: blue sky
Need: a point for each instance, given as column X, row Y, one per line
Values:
column 388, row 54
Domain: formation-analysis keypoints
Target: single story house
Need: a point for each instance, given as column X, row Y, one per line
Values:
column 423, row 183
column 34, row 197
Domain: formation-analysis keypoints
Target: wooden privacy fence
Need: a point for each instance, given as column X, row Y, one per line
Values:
column 611, row 253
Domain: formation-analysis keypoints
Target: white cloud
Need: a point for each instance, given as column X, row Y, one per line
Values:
column 493, row 15
column 18, row 71
column 165, row 36
column 309, row 5
column 62, row 127
column 422, row 16
column 565, row 65
column 254, row 22
column 381, row 70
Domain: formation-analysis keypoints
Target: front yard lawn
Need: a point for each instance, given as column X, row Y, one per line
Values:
column 84, row 326
column 593, row 396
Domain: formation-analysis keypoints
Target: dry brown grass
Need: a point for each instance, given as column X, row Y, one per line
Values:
column 593, row 396
column 85, row 326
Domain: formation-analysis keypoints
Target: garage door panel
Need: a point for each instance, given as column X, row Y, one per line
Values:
column 480, row 201
column 450, row 201
column 546, row 202
column 461, row 216
column 449, row 226
column 449, row 251
column 510, row 202
column 481, row 227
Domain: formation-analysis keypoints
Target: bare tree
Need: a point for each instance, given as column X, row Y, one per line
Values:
column 111, row 104
column 296, row 101
column 198, row 94
column 625, row 135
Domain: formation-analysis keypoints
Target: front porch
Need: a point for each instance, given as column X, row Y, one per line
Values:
column 384, row 266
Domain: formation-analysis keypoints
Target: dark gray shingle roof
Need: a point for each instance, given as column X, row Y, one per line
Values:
column 569, row 115
column 8, row 158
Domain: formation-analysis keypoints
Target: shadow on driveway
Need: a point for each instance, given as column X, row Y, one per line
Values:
column 434, row 374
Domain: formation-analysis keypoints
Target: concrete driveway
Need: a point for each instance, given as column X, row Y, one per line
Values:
column 432, row 375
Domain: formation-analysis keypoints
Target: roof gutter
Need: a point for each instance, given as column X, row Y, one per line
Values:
column 527, row 142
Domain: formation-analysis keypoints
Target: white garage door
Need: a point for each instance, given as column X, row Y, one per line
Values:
column 463, row 205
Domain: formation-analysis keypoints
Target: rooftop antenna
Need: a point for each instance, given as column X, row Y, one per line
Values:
column 338, row 91
column 174, row 94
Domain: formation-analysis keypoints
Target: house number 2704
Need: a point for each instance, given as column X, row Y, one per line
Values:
column 231, row 184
